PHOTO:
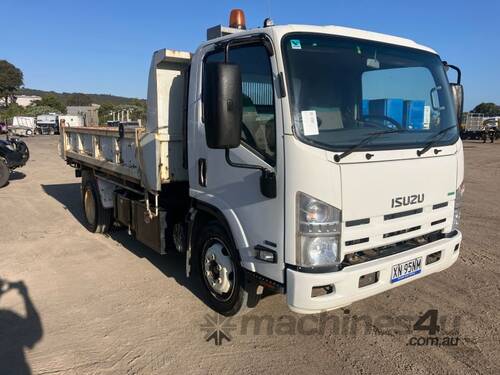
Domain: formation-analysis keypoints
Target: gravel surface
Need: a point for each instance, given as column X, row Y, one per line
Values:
column 94, row 304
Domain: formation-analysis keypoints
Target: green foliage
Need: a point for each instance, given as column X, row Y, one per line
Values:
column 488, row 109
column 104, row 112
column 37, row 110
column 78, row 99
column 11, row 79
column 138, row 111
column 12, row 110
column 95, row 98
column 50, row 100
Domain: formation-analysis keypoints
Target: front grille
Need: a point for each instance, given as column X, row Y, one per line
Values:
column 384, row 251
column 353, row 223
column 438, row 222
column 401, row 231
column 439, row 205
column 403, row 214
column 387, row 229
column 355, row 242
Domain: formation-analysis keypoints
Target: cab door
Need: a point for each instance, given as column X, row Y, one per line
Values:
column 254, row 219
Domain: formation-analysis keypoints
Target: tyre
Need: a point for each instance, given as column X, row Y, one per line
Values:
column 4, row 173
column 23, row 149
column 97, row 218
column 216, row 262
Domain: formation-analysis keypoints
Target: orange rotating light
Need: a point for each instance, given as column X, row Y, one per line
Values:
column 237, row 19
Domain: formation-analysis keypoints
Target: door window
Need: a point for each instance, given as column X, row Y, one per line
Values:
column 258, row 130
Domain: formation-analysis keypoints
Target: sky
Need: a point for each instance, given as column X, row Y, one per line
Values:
column 105, row 46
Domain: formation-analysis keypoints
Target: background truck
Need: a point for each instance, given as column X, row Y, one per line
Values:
column 22, row 126
column 47, row 124
column 320, row 162
column 475, row 125
column 70, row 121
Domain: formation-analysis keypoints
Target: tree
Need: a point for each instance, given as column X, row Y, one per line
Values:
column 12, row 110
column 50, row 100
column 140, row 109
column 38, row 110
column 79, row 99
column 487, row 109
column 11, row 79
column 104, row 112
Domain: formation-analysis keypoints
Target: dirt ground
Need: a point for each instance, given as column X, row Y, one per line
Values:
column 81, row 303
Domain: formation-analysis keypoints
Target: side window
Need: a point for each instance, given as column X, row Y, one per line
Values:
column 258, row 130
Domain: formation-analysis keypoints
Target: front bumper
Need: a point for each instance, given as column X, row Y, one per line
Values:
column 346, row 282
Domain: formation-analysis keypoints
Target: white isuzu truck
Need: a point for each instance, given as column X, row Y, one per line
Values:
column 320, row 162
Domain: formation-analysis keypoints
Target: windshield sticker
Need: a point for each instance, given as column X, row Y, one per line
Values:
column 427, row 117
column 295, row 43
column 310, row 123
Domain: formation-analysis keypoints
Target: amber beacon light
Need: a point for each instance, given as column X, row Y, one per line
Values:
column 237, row 19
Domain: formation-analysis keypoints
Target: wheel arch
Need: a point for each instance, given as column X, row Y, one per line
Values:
column 207, row 212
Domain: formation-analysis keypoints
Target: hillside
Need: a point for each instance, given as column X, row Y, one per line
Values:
column 96, row 98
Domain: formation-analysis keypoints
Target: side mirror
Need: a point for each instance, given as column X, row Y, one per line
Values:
column 223, row 108
column 457, row 91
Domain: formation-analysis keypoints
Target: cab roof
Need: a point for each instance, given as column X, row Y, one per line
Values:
column 280, row 30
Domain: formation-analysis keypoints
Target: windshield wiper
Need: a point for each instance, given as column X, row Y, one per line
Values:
column 339, row 157
column 434, row 140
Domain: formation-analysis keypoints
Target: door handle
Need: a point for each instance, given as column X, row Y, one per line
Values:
column 202, row 172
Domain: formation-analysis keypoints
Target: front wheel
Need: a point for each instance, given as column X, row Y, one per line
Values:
column 216, row 263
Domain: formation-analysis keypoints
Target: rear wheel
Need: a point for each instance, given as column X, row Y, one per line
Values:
column 4, row 173
column 218, row 268
column 97, row 218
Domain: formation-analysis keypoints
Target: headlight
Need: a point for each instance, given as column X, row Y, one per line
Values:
column 318, row 232
column 458, row 206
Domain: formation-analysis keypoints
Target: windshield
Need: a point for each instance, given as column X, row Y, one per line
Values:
column 344, row 89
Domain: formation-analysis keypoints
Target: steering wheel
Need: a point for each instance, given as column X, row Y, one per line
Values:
column 382, row 117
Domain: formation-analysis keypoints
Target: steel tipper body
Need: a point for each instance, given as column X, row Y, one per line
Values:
column 322, row 162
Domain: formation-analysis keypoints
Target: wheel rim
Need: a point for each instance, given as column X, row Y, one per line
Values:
column 89, row 204
column 218, row 270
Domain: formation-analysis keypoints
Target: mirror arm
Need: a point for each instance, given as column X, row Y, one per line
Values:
column 455, row 68
column 267, row 178
column 238, row 165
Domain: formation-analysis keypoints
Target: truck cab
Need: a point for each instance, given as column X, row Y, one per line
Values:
column 320, row 162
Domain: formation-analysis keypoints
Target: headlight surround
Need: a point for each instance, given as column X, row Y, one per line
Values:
column 318, row 232
column 458, row 206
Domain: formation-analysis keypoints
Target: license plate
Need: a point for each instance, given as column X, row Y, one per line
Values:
column 406, row 269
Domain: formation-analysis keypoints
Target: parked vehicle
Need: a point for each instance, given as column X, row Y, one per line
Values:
column 22, row 126
column 71, row 120
column 13, row 154
column 47, row 124
column 489, row 132
column 475, row 123
column 286, row 158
